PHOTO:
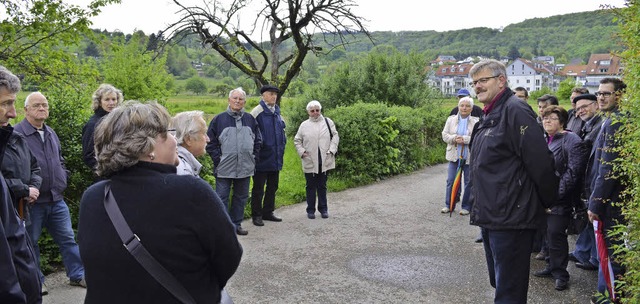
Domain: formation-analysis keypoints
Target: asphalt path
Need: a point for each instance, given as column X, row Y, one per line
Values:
column 383, row 243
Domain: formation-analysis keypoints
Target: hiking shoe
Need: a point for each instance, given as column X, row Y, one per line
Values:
column 43, row 290
column 80, row 283
column 444, row 210
column 464, row 212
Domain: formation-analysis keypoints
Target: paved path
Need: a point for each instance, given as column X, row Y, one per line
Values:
column 384, row 243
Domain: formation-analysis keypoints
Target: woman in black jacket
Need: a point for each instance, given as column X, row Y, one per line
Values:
column 178, row 218
column 570, row 161
column 104, row 100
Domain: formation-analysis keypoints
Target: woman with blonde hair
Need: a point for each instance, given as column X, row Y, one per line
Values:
column 178, row 218
column 104, row 100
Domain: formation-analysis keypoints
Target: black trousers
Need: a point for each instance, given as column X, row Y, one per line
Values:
column 558, row 245
column 264, row 202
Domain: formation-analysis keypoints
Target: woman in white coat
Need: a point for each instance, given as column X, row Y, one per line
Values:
column 457, row 133
column 317, row 143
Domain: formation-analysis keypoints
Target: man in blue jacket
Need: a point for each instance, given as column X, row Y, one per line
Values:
column 234, row 147
column 514, row 180
column 269, row 164
column 19, row 279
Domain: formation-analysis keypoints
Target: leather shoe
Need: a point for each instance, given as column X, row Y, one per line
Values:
column 561, row 284
column 573, row 257
column 544, row 273
column 479, row 239
column 311, row 216
column 257, row 220
column 586, row 266
column 241, row 231
column 271, row 217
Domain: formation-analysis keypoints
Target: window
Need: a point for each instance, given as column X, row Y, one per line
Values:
column 605, row 62
column 604, row 70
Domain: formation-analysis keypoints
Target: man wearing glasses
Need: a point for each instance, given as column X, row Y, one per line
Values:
column 605, row 187
column 513, row 176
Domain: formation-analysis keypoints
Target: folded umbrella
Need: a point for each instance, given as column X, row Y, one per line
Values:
column 603, row 255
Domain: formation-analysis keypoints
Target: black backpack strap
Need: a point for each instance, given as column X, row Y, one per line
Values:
column 132, row 242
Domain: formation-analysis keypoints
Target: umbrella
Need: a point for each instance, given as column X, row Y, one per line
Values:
column 455, row 189
column 603, row 254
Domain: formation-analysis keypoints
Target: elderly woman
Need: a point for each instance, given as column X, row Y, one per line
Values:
column 191, row 135
column 178, row 218
column 317, row 143
column 457, row 133
column 570, row 160
column 105, row 99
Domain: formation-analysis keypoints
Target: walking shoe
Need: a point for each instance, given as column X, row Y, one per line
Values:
column 586, row 266
column 444, row 210
column 43, row 290
column 573, row 257
column 464, row 212
column 271, row 217
column 324, row 214
column 479, row 239
column 241, row 231
column 80, row 283
column 257, row 220
column 541, row 256
column 561, row 284
column 544, row 273
column 311, row 215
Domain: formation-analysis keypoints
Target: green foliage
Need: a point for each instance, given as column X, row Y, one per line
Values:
column 535, row 94
column 136, row 72
column 196, row 85
column 629, row 167
column 565, row 87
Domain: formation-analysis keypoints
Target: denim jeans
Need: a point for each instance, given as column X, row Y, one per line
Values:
column 508, row 254
column 451, row 176
column 56, row 218
column 586, row 250
column 239, row 199
column 316, row 185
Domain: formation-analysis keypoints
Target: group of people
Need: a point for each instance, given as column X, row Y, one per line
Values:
column 147, row 162
column 526, row 175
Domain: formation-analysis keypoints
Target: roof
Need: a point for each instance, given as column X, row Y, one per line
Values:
column 604, row 64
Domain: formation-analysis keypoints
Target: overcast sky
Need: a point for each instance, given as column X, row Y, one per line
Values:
column 397, row 15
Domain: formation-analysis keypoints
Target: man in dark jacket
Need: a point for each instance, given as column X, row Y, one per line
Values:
column 19, row 279
column 269, row 164
column 605, row 186
column 234, row 147
column 50, row 210
column 513, row 181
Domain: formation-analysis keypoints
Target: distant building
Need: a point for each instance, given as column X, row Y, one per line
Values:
column 450, row 78
column 601, row 66
column 442, row 59
column 577, row 71
column 532, row 75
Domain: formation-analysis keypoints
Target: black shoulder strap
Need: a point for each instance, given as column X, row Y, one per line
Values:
column 329, row 127
column 134, row 246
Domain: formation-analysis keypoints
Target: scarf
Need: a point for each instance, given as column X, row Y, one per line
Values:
column 463, row 150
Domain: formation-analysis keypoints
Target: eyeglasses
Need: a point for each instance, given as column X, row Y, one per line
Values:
column 550, row 118
column 483, row 80
column 584, row 107
column 172, row 131
column 7, row 104
column 603, row 94
column 38, row 105
column 314, row 110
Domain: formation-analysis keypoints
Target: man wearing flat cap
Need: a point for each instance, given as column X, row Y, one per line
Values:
column 476, row 111
column 270, row 160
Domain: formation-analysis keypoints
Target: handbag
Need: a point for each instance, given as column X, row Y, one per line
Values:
column 132, row 242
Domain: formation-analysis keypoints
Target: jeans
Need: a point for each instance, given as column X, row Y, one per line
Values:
column 451, row 176
column 56, row 218
column 316, row 184
column 508, row 254
column 586, row 250
column 239, row 199
column 266, row 206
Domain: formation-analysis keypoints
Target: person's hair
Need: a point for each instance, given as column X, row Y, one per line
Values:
column 467, row 99
column 580, row 90
column 239, row 90
column 549, row 99
column 618, row 85
column 187, row 124
column 128, row 133
column 314, row 104
column 9, row 81
column 102, row 90
column 563, row 116
column 27, row 100
column 496, row 67
column 521, row 89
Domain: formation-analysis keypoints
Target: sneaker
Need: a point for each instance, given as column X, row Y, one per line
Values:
column 445, row 210
column 80, row 283
column 464, row 212
column 43, row 290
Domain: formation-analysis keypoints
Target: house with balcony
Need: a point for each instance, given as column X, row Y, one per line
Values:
column 450, row 78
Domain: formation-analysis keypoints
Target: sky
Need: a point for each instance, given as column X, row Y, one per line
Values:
column 151, row 16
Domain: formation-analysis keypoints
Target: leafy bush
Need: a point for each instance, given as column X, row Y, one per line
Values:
column 196, row 85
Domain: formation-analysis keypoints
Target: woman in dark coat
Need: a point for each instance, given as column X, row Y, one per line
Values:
column 178, row 218
column 104, row 100
column 570, row 160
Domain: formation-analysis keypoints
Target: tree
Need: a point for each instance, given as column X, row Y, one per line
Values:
column 289, row 25
column 196, row 85
column 514, row 53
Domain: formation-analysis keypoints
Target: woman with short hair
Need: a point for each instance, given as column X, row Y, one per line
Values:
column 191, row 134
column 178, row 218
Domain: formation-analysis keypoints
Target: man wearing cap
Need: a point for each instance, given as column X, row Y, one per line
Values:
column 476, row 111
column 575, row 123
column 270, row 159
